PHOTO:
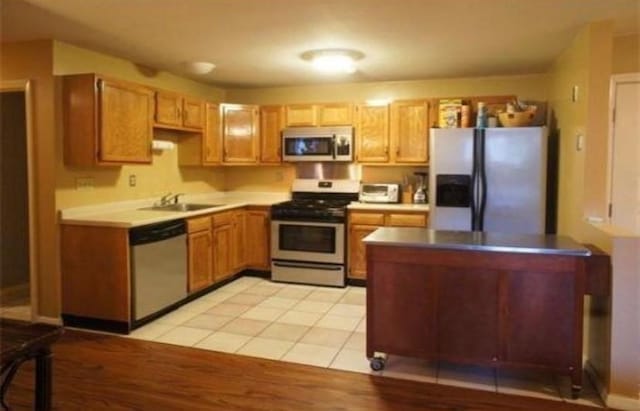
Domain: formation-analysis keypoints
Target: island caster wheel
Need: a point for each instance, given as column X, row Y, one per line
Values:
column 377, row 363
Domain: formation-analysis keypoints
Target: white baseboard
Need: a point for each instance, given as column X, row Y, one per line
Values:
column 611, row 400
column 623, row 403
column 48, row 320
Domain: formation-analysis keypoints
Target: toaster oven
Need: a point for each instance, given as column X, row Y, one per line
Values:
column 379, row 193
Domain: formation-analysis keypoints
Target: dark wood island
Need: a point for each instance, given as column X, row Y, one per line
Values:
column 492, row 299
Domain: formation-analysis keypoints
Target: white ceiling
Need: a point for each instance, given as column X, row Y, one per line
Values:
column 257, row 43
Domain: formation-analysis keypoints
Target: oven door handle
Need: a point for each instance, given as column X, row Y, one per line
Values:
column 300, row 265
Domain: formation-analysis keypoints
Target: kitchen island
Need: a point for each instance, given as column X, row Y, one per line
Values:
column 491, row 299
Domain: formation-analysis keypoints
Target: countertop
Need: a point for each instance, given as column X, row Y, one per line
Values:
column 128, row 214
column 476, row 241
column 388, row 207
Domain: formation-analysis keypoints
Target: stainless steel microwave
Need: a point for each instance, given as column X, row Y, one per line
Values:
column 317, row 144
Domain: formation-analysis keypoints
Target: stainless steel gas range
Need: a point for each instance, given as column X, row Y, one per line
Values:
column 308, row 235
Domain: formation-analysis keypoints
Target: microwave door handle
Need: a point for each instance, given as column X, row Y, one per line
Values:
column 333, row 146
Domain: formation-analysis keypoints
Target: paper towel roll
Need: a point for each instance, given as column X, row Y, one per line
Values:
column 163, row 145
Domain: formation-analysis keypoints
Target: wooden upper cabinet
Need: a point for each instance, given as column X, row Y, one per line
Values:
column 300, row 115
column 372, row 133
column 178, row 112
column 106, row 121
column 271, row 125
column 338, row 114
column 240, row 133
column 168, row 107
column 327, row 114
column 410, row 131
column 193, row 113
column 211, row 139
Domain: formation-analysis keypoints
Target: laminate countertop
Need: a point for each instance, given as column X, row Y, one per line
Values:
column 136, row 213
column 388, row 207
column 476, row 241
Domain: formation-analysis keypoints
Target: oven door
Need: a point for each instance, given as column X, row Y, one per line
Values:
column 307, row 241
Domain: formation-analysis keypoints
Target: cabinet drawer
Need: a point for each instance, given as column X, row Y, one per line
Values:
column 222, row 218
column 406, row 220
column 198, row 224
column 367, row 218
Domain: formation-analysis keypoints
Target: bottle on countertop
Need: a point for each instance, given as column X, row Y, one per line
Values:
column 481, row 119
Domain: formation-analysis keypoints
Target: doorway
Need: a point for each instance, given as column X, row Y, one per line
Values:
column 17, row 285
column 624, row 173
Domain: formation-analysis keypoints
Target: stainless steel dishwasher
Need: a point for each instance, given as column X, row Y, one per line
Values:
column 158, row 267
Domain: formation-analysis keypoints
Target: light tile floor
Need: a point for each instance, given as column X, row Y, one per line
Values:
column 324, row 327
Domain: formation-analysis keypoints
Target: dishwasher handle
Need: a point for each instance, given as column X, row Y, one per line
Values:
column 157, row 232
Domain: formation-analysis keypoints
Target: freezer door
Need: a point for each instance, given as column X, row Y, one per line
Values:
column 450, row 165
column 516, row 175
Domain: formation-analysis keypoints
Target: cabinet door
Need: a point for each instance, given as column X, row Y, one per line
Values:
column 212, row 143
column 240, row 133
column 372, row 133
column 534, row 333
column 403, row 299
column 237, row 241
column 271, row 124
column 221, row 252
column 467, row 314
column 300, row 115
column 168, row 109
column 257, row 239
column 126, row 125
column 410, row 131
column 339, row 114
column 200, row 263
column 357, row 250
column 192, row 113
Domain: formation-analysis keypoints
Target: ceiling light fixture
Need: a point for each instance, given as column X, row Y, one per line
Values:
column 199, row 67
column 333, row 61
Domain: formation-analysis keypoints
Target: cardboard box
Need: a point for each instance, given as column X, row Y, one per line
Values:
column 449, row 113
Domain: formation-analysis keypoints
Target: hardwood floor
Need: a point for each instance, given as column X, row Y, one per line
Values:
column 103, row 372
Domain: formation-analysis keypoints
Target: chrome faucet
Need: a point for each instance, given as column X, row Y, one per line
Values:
column 169, row 198
column 164, row 200
column 175, row 198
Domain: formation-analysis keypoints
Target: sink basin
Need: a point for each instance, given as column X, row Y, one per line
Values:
column 182, row 207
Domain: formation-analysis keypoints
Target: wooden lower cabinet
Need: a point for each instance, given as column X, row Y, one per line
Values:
column 200, row 261
column 222, row 246
column 257, row 251
column 238, row 260
column 95, row 273
column 363, row 223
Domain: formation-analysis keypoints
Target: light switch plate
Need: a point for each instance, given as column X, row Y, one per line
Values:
column 574, row 94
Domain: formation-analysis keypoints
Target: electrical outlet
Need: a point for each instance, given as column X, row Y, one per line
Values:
column 132, row 180
column 84, row 183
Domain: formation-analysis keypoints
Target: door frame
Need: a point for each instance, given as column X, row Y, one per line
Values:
column 615, row 80
column 25, row 86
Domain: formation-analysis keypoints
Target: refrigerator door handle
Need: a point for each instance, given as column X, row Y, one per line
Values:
column 475, row 175
column 481, row 188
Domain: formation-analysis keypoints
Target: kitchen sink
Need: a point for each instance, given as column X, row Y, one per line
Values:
column 182, row 207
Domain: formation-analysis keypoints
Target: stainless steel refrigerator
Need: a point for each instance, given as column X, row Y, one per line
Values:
column 492, row 179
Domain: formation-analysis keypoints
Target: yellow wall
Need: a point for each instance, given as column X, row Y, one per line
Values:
column 626, row 54
column 33, row 61
column 529, row 87
column 112, row 183
column 587, row 63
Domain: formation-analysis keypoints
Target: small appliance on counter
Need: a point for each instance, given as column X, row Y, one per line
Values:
column 379, row 193
column 420, row 196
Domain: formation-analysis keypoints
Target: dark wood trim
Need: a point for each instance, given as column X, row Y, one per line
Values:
column 357, row 282
column 89, row 323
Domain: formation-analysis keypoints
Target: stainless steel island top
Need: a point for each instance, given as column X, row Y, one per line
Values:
column 476, row 241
